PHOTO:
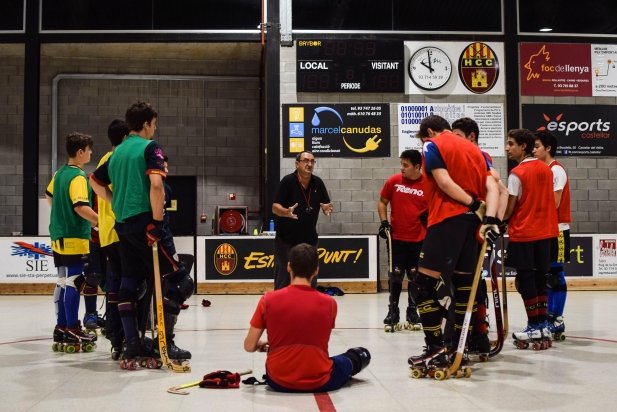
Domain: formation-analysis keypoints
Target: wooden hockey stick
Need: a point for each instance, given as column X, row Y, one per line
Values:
column 160, row 321
column 177, row 390
column 460, row 350
column 504, row 291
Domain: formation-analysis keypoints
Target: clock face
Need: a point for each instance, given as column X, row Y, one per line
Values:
column 430, row 68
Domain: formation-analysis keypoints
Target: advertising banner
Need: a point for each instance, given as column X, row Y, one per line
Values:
column 27, row 260
column 583, row 257
column 454, row 68
column 337, row 130
column 555, row 69
column 605, row 255
column 349, row 66
column 604, row 74
column 489, row 116
column 251, row 258
column 581, row 130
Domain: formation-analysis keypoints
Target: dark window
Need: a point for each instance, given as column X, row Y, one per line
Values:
column 12, row 15
column 588, row 17
column 398, row 15
column 151, row 15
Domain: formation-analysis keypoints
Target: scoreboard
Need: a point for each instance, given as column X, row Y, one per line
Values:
column 350, row 66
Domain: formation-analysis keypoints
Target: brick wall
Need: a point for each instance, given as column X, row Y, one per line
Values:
column 209, row 128
column 11, row 137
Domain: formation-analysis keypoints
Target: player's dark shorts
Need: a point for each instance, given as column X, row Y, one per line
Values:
column 112, row 253
column 136, row 257
column 451, row 246
column 405, row 255
column 534, row 255
column 69, row 260
column 560, row 247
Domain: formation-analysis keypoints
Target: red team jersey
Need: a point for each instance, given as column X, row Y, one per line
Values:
column 407, row 203
column 466, row 166
column 563, row 212
column 298, row 355
column 535, row 216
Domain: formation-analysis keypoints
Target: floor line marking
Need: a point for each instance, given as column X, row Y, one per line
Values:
column 324, row 402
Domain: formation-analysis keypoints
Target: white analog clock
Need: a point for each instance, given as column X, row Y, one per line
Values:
column 430, row 68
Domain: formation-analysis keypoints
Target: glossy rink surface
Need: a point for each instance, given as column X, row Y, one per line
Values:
column 576, row 374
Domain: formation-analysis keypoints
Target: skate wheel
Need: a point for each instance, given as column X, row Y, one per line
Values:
column 458, row 374
column 152, row 364
column 407, row 326
column 71, row 348
column 483, row 357
column 417, row 327
column 88, row 347
column 398, row 327
column 536, row 346
column 128, row 364
column 561, row 337
column 467, row 372
column 56, row 347
column 439, row 375
column 416, row 373
column 115, row 355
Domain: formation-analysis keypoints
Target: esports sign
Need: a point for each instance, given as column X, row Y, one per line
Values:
column 581, row 130
column 337, row 130
column 350, row 66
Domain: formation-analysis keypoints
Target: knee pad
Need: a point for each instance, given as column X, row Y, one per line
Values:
column 141, row 290
column 360, row 358
column 555, row 276
column 75, row 281
column 397, row 275
column 93, row 278
column 61, row 282
column 427, row 287
column 181, row 290
column 126, row 295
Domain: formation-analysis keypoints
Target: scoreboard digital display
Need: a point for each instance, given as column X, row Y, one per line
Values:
column 350, row 66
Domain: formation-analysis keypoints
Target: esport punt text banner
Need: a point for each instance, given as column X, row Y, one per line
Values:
column 251, row 258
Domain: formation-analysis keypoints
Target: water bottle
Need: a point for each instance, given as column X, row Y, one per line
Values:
column 271, row 227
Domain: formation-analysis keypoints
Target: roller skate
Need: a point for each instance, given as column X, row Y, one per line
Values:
column 58, row 337
column 75, row 339
column 173, row 351
column 433, row 362
column 135, row 356
column 537, row 335
column 91, row 323
column 557, row 328
column 480, row 345
column 413, row 319
column 391, row 321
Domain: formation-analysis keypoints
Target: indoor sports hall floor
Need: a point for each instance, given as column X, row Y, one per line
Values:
column 577, row 374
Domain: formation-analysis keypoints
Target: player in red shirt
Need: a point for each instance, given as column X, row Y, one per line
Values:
column 545, row 150
column 532, row 223
column 299, row 320
column 479, row 342
column 456, row 178
column 404, row 192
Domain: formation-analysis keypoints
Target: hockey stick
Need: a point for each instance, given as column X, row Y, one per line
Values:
column 460, row 350
column 177, row 390
column 496, row 304
column 389, row 247
column 174, row 366
column 504, row 292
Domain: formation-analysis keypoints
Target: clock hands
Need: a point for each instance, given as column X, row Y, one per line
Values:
column 429, row 66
